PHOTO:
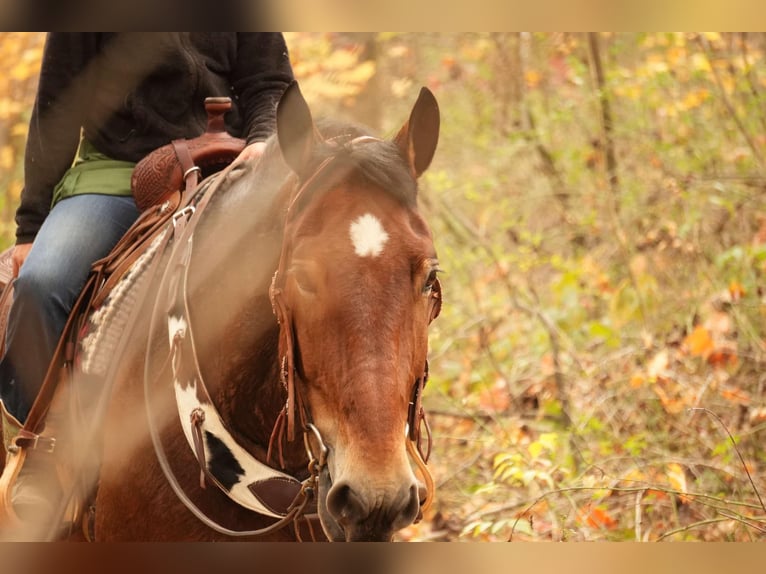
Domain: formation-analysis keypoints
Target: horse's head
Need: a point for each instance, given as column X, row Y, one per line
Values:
column 355, row 292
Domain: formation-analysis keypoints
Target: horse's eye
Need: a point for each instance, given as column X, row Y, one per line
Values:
column 304, row 280
column 430, row 281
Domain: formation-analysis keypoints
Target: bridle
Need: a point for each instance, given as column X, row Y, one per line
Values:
column 295, row 405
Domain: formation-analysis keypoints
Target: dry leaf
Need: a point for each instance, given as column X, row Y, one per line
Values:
column 596, row 517
column 672, row 405
column 699, row 343
column 659, row 364
column 736, row 396
column 736, row 290
column 677, row 479
column 723, row 358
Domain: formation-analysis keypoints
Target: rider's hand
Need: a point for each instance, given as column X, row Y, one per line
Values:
column 251, row 152
column 19, row 255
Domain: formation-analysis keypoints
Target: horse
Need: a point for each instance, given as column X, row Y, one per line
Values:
column 275, row 365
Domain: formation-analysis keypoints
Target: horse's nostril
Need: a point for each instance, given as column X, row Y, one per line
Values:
column 344, row 504
column 422, row 493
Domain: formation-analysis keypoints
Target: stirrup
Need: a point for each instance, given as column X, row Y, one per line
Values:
column 14, row 461
column 19, row 444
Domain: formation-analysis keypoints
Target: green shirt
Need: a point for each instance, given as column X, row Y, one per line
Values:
column 93, row 172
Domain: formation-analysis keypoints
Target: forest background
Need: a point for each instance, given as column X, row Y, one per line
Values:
column 598, row 203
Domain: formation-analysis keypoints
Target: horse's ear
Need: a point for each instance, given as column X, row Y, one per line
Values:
column 418, row 137
column 296, row 131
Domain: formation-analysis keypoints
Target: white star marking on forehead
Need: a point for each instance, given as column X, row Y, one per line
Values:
column 368, row 236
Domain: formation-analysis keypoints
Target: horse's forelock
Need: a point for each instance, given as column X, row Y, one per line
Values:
column 372, row 162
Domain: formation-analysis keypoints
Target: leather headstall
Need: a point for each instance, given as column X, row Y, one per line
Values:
column 295, row 406
column 285, row 423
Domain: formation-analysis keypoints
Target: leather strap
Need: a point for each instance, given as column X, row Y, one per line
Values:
column 188, row 168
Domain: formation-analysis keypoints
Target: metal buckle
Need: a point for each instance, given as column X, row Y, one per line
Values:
column 39, row 443
column 186, row 211
column 191, row 170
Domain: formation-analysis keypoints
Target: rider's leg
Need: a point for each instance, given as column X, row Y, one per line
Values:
column 78, row 231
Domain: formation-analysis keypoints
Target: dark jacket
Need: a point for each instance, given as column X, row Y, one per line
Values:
column 134, row 92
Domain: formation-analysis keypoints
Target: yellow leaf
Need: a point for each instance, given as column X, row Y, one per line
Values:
column 676, row 476
column 360, row 73
column 672, row 405
column 532, row 78
column 634, row 475
column 549, row 440
column 677, row 479
column 535, row 449
column 694, row 99
column 700, row 63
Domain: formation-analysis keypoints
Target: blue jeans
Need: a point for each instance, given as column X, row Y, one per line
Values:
column 78, row 231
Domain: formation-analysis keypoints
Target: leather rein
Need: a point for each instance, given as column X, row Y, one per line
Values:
column 182, row 352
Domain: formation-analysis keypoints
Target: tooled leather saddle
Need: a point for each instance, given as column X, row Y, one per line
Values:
column 168, row 168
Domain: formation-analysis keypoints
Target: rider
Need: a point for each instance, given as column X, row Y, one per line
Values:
column 104, row 101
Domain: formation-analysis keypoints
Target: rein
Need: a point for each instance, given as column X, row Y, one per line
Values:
column 182, row 359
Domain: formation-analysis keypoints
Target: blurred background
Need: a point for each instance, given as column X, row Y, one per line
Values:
column 598, row 202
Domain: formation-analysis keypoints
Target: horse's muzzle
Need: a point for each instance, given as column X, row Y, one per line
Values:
column 356, row 511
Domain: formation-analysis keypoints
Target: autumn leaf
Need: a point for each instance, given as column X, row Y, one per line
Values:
column 723, row 358
column 699, row 343
column 738, row 396
column 596, row 517
column 671, row 404
column 757, row 416
column 532, row 78
column 677, row 479
column 736, row 290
